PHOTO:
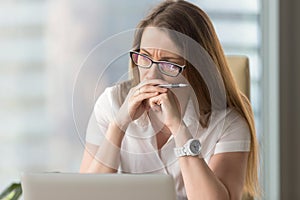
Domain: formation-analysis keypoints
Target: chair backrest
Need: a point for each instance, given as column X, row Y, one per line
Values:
column 239, row 66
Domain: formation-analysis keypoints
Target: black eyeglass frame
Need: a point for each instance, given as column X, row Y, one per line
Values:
column 181, row 67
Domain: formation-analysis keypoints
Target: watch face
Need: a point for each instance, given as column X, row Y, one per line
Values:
column 195, row 146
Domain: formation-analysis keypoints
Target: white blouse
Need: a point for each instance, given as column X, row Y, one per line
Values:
column 228, row 131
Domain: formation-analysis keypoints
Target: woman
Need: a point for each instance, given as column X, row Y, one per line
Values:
column 206, row 142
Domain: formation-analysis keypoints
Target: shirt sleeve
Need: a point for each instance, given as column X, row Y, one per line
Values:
column 236, row 136
column 102, row 115
column 105, row 110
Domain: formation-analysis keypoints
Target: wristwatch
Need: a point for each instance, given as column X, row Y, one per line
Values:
column 191, row 148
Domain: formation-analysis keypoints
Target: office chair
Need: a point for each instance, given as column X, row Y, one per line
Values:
column 239, row 66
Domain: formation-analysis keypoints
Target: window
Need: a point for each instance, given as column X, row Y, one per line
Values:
column 238, row 27
column 42, row 45
column 23, row 94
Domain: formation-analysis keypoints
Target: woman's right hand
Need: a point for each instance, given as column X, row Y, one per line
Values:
column 136, row 102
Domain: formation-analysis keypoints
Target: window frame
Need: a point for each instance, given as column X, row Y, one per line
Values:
column 270, row 148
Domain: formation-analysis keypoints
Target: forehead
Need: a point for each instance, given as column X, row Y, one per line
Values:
column 155, row 38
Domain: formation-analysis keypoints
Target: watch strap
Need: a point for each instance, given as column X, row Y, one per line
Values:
column 180, row 151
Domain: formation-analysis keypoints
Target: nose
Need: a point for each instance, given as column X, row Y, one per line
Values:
column 153, row 72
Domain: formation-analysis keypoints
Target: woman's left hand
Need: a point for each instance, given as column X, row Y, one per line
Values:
column 166, row 108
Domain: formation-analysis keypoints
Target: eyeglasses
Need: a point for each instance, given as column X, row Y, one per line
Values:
column 165, row 67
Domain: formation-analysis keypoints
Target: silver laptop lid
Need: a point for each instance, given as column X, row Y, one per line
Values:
column 69, row 186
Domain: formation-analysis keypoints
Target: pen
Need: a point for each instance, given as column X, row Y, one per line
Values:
column 176, row 85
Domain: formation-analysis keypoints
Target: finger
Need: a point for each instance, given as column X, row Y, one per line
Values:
column 135, row 103
column 151, row 89
column 153, row 82
column 163, row 100
column 155, row 101
column 143, row 96
column 147, row 89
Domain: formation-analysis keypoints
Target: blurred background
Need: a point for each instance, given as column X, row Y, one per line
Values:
column 44, row 42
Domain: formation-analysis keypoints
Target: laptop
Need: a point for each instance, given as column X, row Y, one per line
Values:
column 72, row 186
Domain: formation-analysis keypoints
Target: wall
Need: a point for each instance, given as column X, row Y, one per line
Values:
column 290, row 98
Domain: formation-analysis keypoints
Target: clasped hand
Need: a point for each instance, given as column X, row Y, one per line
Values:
column 148, row 96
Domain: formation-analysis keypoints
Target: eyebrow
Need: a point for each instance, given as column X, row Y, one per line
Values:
column 163, row 58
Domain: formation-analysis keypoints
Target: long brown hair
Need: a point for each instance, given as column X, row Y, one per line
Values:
column 190, row 20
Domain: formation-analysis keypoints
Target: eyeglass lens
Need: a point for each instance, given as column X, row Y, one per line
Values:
column 167, row 68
